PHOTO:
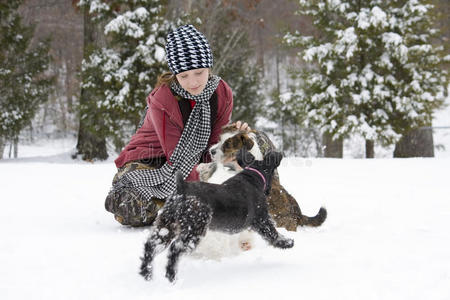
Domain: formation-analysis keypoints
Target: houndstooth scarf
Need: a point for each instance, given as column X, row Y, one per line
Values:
column 160, row 182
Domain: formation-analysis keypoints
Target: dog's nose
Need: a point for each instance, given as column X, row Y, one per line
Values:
column 213, row 151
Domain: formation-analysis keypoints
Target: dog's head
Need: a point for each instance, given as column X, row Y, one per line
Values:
column 266, row 166
column 231, row 141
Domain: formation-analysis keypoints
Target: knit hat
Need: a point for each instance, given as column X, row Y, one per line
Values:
column 187, row 49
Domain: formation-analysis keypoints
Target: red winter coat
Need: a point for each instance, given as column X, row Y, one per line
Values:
column 163, row 126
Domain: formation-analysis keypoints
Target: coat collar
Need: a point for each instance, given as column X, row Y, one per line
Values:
column 163, row 99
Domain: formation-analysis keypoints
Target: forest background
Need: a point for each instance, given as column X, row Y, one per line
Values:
column 253, row 53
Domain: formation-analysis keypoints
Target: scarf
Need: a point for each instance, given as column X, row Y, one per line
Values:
column 194, row 139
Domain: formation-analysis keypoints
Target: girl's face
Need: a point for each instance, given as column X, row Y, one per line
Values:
column 193, row 81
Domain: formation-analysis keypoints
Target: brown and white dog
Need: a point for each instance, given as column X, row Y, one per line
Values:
column 282, row 206
column 223, row 166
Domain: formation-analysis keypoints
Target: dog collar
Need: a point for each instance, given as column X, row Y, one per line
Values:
column 259, row 173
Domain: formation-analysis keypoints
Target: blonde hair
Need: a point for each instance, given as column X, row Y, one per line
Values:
column 165, row 78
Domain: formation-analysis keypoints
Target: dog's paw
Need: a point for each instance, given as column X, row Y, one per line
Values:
column 245, row 241
column 284, row 243
column 170, row 275
column 245, row 245
column 146, row 272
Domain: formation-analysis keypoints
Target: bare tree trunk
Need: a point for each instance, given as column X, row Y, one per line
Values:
column 31, row 132
column 318, row 142
column 283, row 134
column 44, row 117
column 417, row 143
column 63, row 114
column 2, row 147
column 260, row 53
column 61, row 98
column 333, row 148
column 89, row 145
column 370, row 149
column 16, row 146
column 228, row 48
column 295, row 137
column 278, row 87
column 187, row 5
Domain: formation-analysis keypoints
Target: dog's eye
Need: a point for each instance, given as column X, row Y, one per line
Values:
column 226, row 145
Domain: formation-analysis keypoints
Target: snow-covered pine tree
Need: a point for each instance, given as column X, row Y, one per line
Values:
column 91, row 144
column 120, row 76
column 23, row 82
column 375, row 70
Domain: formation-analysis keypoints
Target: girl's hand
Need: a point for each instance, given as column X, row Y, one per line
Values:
column 242, row 126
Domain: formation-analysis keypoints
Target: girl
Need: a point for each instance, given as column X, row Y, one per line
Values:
column 184, row 116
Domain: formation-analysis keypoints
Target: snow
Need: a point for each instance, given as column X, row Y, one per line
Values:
column 386, row 236
column 321, row 52
column 95, row 6
column 332, row 91
column 375, row 17
column 160, row 53
column 347, row 42
column 392, row 38
column 128, row 23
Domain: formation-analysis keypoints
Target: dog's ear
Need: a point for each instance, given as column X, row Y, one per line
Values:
column 247, row 142
column 244, row 158
column 273, row 159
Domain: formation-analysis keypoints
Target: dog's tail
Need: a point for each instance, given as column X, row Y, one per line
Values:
column 179, row 180
column 315, row 221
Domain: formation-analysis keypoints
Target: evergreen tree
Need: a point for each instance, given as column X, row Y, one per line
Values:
column 91, row 143
column 23, row 82
column 119, row 76
column 375, row 70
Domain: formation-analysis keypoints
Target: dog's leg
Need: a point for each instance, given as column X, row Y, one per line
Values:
column 150, row 249
column 175, row 250
column 195, row 218
column 160, row 238
column 264, row 225
column 185, row 243
column 206, row 170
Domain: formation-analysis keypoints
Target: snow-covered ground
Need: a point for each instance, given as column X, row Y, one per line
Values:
column 387, row 236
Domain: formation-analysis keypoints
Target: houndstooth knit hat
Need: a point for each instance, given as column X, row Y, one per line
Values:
column 187, row 49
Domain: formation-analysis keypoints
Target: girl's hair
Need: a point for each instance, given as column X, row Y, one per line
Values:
column 165, row 78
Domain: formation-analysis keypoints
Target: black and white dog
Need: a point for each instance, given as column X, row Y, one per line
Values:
column 235, row 205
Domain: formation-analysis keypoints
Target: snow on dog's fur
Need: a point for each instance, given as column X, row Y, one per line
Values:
column 216, row 245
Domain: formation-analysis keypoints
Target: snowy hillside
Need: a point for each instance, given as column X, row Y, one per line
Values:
column 387, row 236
